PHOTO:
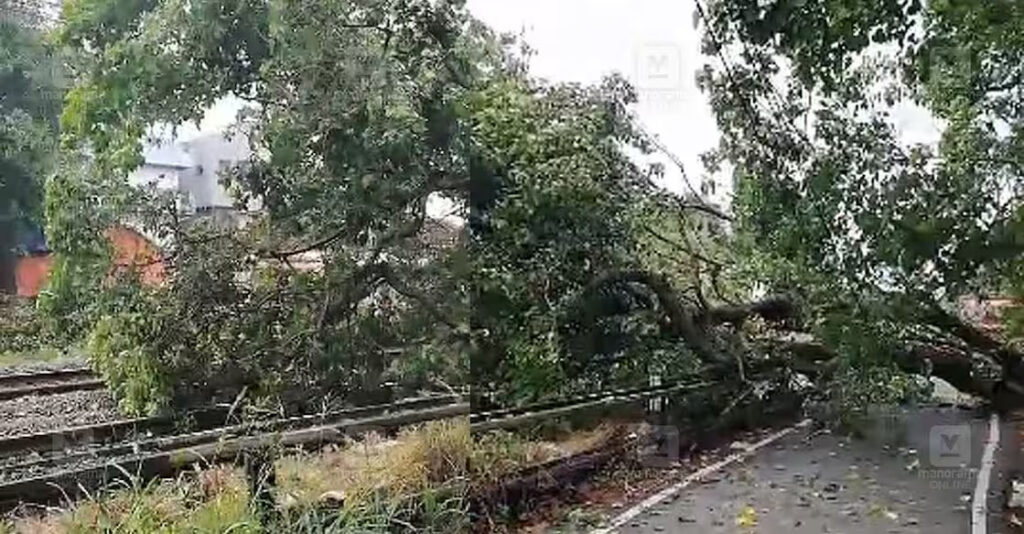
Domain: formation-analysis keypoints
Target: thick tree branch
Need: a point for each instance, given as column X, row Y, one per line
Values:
column 316, row 245
column 364, row 279
column 775, row 308
column 704, row 208
column 400, row 232
column 356, row 287
column 969, row 333
column 426, row 302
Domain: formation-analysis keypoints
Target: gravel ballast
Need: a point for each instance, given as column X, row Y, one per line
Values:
column 40, row 413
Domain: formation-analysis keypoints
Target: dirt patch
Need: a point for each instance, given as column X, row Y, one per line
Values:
column 617, row 485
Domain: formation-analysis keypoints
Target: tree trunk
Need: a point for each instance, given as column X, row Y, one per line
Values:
column 961, row 363
column 8, row 261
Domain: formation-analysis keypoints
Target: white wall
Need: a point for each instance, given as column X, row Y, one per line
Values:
column 208, row 152
column 164, row 178
column 192, row 168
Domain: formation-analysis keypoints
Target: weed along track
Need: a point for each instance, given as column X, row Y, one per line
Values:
column 103, row 438
column 47, row 382
column 51, row 466
column 513, row 491
column 30, row 475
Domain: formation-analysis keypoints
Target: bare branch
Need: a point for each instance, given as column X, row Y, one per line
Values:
column 684, row 247
column 705, row 208
column 410, row 292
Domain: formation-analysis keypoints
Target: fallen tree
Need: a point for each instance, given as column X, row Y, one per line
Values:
column 574, row 270
column 947, row 347
column 876, row 237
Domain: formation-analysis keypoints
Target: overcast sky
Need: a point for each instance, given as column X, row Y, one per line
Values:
column 653, row 43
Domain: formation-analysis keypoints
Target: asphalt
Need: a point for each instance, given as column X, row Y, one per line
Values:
column 914, row 470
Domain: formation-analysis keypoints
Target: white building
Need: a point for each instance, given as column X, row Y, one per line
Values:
column 192, row 169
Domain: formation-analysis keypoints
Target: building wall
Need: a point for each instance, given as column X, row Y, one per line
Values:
column 212, row 153
column 192, row 168
column 130, row 249
column 165, row 178
column 30, row 274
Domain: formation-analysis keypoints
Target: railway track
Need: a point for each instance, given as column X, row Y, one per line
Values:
column 520, row 416
column 558, row 478
column 13, row 386
column 67, row 440
column 516, row 490
column 42, row 478
column 84, row 451
column 53, row 466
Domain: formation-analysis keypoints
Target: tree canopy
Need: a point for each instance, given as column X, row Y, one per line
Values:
column 881, row 235
column 562, row 266
column 360, row 114
column 30, row 102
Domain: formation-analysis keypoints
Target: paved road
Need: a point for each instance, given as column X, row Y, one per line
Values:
column 891, row 481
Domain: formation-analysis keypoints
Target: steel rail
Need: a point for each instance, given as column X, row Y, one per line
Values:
column 51, row 441
column 73, row 483
column 169, row 455
column 17, row 385
column 520, row 416
column 162, row 443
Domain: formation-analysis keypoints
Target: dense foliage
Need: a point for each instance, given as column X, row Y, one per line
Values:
column 360, row 114
column 30, row 100
column 419, row 212
column 882, row 235
column 355, row 120
column 564, row 267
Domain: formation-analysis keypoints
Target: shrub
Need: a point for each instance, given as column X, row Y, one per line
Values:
column 20, row 326
column 118, row 351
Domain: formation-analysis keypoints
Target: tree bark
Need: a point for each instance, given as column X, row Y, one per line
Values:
column 774, row 308
column 8, row 261
column 959, row 367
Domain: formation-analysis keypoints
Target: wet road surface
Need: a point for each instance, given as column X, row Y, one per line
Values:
column 913, row 471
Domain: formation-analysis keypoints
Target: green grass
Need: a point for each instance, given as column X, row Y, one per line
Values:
column 40, row 355
column 415, row 483
column 419, row 481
